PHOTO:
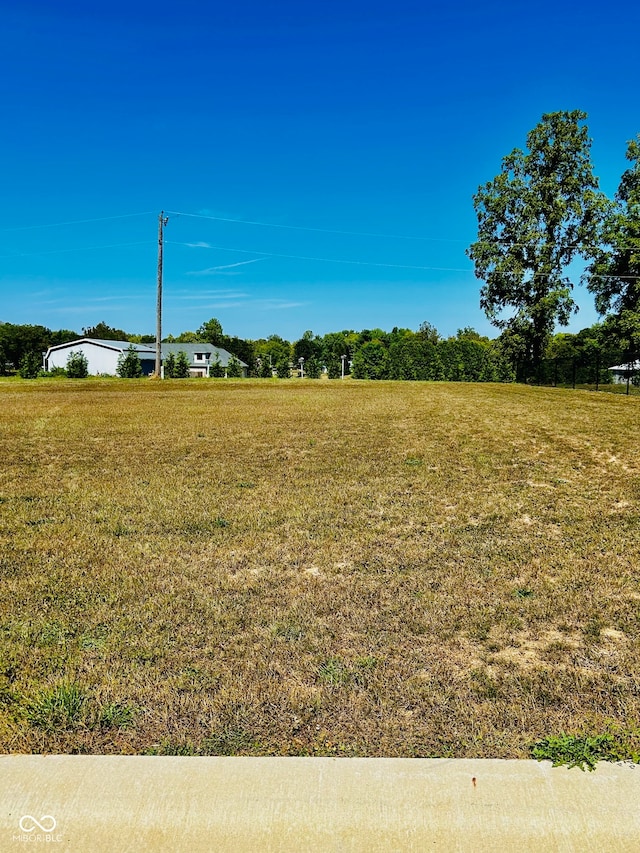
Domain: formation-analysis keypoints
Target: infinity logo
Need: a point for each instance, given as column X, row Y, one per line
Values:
column 45, row 824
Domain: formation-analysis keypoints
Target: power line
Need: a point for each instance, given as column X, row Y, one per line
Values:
column 267, row 254
column 324, row 260
column 77, row 249
column 75, row 222
column 317, row 230
column 358, row 263
column 287, row 227
column 497, row 241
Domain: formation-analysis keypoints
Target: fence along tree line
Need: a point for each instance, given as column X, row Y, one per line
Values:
column 586, row 370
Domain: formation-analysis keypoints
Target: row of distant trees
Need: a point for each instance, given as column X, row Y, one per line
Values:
column 424, row 354
column 403, row 354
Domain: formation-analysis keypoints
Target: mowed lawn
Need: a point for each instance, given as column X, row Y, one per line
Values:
column 316, row 568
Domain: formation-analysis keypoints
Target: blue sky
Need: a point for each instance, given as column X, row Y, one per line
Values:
column 317, row 160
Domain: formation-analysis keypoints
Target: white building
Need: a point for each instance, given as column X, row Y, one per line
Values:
column 102, row 356
column 620, row 372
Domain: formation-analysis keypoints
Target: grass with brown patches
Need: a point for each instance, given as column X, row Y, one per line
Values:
column 316, row 568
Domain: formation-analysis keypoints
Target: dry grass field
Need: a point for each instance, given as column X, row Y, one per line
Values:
column 316, row 568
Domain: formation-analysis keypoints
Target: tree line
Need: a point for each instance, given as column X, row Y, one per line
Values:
column 401, row 353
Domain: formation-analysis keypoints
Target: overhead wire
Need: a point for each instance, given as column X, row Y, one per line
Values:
column 263, row 254
column 76, row 249
column 317, row 259
column 352, row 262
column 317, row 230
column 255, row 222
column 75, row 222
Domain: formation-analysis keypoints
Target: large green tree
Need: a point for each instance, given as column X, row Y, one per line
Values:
column 371, row 360
column 18, row 341
column 614, row 274
column 309, row 348
column 184, row 338
column 211, row 331
column 534, row 217
column 62, row 336
column 334, row 346
column 243, row 350
column 273, row 353
column 102, row 332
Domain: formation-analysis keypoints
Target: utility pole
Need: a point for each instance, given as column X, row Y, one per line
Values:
column 162, row 221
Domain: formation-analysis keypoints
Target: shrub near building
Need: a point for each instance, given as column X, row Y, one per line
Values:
column 129, row 366
column 77, row 365
column 181, row 369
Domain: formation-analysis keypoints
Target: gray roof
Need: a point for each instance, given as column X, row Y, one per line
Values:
column 209, row 351
column 122, row 344
column 117, row 345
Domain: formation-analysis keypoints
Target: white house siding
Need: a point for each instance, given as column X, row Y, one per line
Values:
column 99, row 358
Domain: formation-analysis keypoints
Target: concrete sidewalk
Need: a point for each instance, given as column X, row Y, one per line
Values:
column 111, row 803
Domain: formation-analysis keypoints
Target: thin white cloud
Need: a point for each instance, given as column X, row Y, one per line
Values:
column 217, row 305
column 270, row 304
column 222, row 267
column 62, row 300
column 208, row 294
column 86, row 308
column 118, row 298
column 244, row 301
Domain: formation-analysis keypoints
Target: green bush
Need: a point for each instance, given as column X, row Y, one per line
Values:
column 129, row 366
column 77, row 365
column 216, row 370
column 371, row 361
column 170, row 366
column 181, row 370
column 265, row 370
column 283, row 368
column 234, row 368
column 30, row 365
column 312, row 368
